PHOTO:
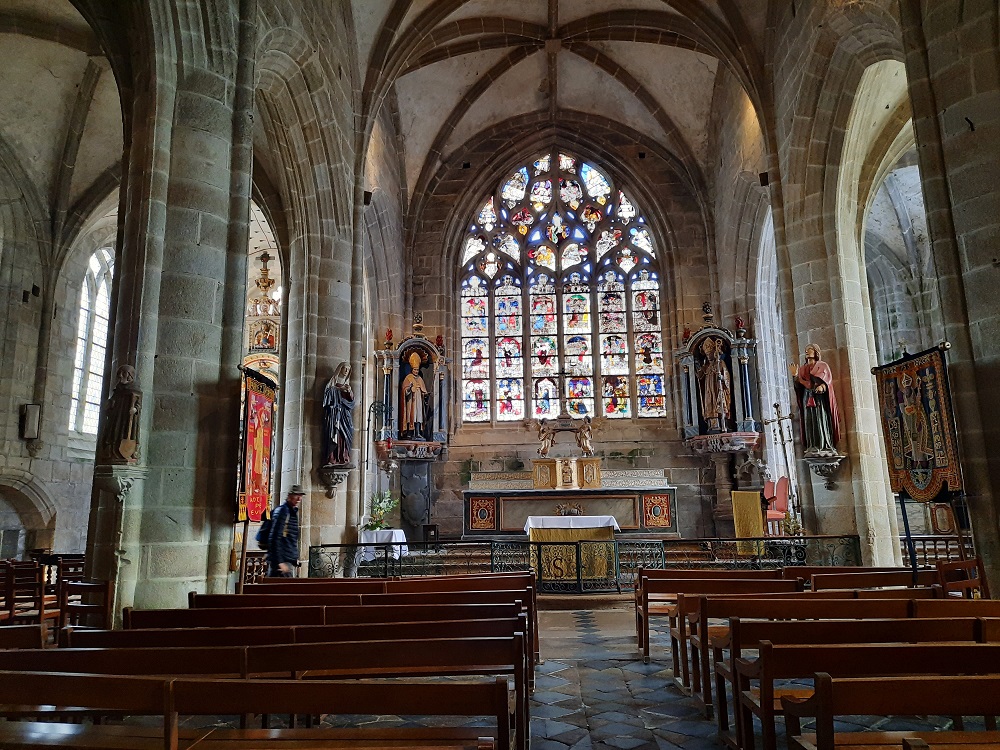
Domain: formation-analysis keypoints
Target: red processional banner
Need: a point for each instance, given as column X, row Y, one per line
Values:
column 255, row 460
column 918, row 424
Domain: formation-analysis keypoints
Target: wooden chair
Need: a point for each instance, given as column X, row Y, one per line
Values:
column 85, row 603
column 777, row 507
column 25, row 595
column 964, row 578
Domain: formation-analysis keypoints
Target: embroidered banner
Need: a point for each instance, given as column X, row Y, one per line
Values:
column 257, row 431
column 921, row 445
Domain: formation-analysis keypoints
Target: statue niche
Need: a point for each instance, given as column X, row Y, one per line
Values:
column 416, row 407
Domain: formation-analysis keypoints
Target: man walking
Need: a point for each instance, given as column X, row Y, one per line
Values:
column 283, row 544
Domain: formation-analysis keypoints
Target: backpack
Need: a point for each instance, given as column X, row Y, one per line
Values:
column 264, row 532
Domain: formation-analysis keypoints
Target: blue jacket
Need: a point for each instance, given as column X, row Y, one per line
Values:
column 283, row 546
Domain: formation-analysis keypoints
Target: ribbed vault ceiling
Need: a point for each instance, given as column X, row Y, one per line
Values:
column 459, row 67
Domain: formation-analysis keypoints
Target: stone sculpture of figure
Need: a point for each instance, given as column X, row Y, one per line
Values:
column 585, row 437
column 415, row 398
column 716, row 386
column 817, row 404
column 338, row 418
column 120, row 440
column 546, row 435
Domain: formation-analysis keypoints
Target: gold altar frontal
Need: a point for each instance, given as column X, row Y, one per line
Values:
column 558, row 556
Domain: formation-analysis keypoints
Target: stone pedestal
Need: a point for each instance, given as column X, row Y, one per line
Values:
column 589, row 472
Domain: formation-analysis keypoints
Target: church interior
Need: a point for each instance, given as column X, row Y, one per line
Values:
column 716, row 273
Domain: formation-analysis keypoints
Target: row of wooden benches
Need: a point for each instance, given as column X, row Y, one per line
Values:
column 798, row 635
column 480, row 634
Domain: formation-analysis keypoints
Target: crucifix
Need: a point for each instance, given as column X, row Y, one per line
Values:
column 785, row 440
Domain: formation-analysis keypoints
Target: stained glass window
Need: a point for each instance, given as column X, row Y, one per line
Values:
column 560, row 299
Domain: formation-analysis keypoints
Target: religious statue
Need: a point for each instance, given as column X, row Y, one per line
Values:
column 817, row 404
column 585, row 437
column 338, row 418
column 415, row 401
column 716, row 386
column 120, row 441
column 546, row 435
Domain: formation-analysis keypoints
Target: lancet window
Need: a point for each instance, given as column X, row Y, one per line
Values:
column 560, row 299
column 91, row 342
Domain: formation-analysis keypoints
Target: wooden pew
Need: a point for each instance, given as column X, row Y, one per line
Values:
column 149, row 696
column 253, row 635
column 873, row 579
column 810, row 606
column 956, row 608
column 407, row 657
column 23, row 636
column 525, row 595
column 683, row 573
column 806, row 572
column 659, row 600
column 235, row 617
column 498, row 596
column 937, row 694
column 520, row 582
column 781, row 662
column 748, row 634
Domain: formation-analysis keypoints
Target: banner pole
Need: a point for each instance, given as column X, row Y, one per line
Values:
column 909, row 537
column 243, row 557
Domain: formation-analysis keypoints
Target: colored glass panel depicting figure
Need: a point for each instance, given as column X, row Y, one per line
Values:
column 560, row 299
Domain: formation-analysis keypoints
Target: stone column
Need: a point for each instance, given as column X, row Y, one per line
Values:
column 953, row 71
column 175, row 288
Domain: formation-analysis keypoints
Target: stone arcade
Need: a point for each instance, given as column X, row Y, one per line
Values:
column 632, row 211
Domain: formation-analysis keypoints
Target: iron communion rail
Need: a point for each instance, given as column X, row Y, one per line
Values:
column 579, row 567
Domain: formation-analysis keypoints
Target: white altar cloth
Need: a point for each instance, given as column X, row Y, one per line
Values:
column 371, row 539
column 570, row 522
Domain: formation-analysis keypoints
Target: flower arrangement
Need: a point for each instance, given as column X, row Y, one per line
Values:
column 380, row 504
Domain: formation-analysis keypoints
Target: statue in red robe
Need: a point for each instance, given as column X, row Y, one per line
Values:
column 820, row 421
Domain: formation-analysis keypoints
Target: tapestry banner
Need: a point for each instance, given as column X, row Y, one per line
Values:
column 255, row 457
column 921, row 445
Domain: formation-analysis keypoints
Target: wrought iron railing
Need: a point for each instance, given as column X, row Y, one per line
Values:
column 762, row 552
column 578, row 567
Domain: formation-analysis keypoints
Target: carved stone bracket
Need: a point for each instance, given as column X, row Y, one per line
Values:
column 408, row 450
column 825, row 467
column 725, row 442
column 332, row 477
column 120, row 479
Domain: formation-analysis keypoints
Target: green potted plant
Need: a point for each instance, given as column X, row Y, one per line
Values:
column 380, row 504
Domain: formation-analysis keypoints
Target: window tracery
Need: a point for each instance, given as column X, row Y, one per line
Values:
column 559, row 299
column 91, row 342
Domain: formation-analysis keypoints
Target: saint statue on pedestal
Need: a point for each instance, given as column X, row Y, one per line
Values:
column 119, row 443
column 338, row 418
column 817, row 404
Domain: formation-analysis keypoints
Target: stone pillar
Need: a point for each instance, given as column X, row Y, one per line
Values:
column 953, row 71
column 175, row 287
